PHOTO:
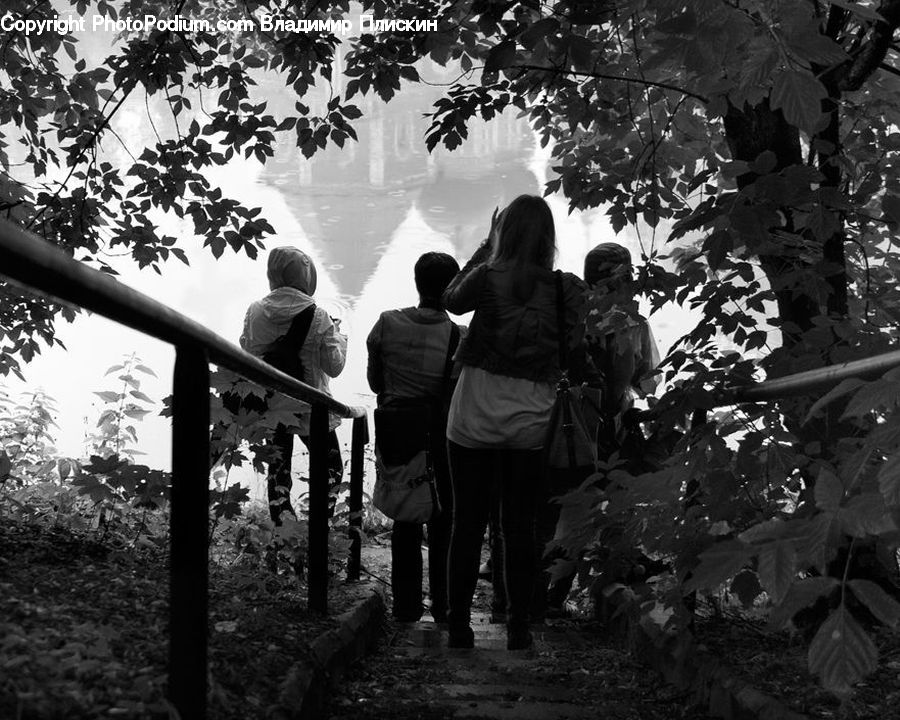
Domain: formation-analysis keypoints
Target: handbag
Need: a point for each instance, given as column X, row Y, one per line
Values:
column 569, row 444
column 406, row 493
column 405, row 486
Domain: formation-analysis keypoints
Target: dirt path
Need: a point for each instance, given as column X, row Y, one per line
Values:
column 572, row 672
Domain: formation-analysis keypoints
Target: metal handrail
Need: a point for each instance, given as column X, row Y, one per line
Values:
column 803, row 382
column 791, row 385
column 30, row 261
column 36, row 264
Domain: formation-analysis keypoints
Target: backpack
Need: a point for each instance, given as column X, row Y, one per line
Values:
column 285, row 352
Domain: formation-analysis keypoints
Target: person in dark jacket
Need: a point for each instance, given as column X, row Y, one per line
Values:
column 500, row 409
column 409, row 350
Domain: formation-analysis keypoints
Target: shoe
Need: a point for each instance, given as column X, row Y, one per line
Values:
column 438, row 612
column 461, row 636
column 518, row 638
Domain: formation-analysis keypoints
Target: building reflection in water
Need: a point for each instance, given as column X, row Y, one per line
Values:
column 364, row 213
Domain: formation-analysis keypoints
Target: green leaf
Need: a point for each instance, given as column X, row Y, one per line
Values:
column 5, row 465
column 143, row 368
column 872, row 395
column 113, row 369
column 773, row 529
column 140, row 396
column 844, row 387
column 879, row 603
column 889, row 480
column 777, row 568
column 865, row 515
column 816, row 543
column 799, row 95
column 841, row 653
column 800, row 595
column 718, row 564
column 500, row 56
column 108, row 395
column 890, row 207
column 815, row 47
column 828, row 491
column 544, row 28
column 764, row 163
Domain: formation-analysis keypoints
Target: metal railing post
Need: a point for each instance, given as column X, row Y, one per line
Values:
column 318, row 509
column 357, row 445
column 189, row 523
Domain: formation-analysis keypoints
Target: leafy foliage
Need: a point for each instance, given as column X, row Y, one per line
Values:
column 758, row 137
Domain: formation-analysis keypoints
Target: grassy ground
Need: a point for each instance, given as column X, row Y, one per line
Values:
column 83, row 629
column 775, row 663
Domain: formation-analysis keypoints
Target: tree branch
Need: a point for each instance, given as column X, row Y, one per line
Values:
column 872, row 53
column 604, row 76
column 104, row 122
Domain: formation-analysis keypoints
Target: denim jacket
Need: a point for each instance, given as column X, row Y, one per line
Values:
column 506, row 336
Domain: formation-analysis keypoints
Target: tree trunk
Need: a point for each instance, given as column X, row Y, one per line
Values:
column 751, row 131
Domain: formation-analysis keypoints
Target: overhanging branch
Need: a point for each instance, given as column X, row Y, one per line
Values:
column 872, row 53
column 605, row 76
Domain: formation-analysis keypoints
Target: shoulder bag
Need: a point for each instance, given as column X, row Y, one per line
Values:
column 569, row 445
column 405, row 488
column 285, row 352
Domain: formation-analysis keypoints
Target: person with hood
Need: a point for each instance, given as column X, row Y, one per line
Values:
column 621, row 345
column 292, row 280
column 410, row 363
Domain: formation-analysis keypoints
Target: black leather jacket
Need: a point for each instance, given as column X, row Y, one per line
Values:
column 508, row 336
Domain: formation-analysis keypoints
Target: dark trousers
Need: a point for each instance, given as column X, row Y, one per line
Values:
column 512, row 481
column 279, row 480
column 549, row 593
column 406, row 552
column 546, row 593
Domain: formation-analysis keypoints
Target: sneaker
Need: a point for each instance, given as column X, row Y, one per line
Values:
column 461, row 636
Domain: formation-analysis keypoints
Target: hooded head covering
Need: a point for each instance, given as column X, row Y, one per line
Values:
column 605, row 261
column 291, row 267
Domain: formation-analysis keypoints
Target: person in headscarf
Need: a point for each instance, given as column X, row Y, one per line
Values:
column 292, row 280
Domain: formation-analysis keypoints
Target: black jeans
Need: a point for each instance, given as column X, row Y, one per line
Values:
column 406, row 551
column 512, row 480
column 279, row 480
column 545, row 593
